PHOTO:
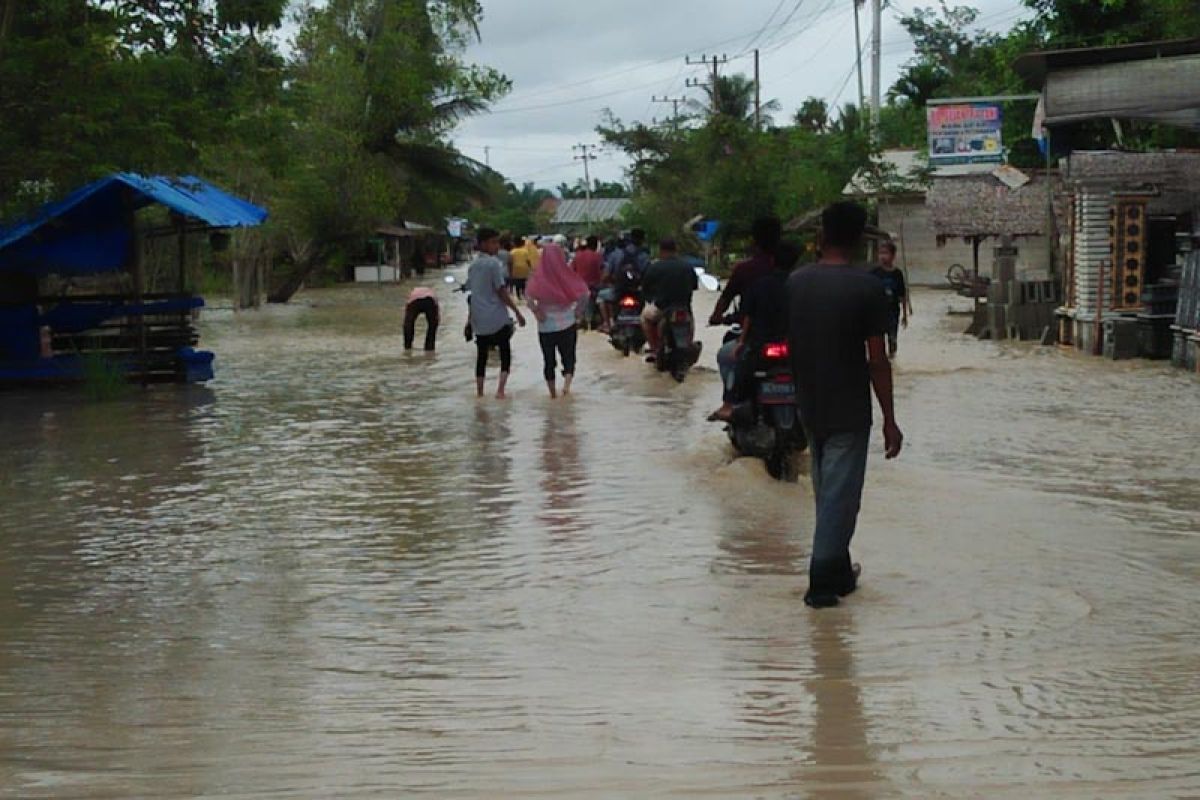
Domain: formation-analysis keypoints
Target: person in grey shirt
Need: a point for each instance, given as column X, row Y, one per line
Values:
column 490, row 304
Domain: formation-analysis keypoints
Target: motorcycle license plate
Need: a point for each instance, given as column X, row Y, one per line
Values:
column 629, row 320
column 777, row 393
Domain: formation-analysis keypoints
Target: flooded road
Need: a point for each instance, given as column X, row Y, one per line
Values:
column 334, row 573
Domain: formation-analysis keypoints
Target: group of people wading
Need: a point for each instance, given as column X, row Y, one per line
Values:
column 840, row 321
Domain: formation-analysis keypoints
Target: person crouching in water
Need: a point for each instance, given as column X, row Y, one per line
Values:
column 421, row 301
column 490, row 303
column 558, row 298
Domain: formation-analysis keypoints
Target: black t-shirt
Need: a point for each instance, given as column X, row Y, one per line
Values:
column 833, row 310
column 669, row 283
column 765, row 305
column 893, row 286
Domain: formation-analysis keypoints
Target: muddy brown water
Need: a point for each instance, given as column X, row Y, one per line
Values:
column 334, row 573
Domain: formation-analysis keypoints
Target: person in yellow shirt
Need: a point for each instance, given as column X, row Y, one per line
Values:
column 535, row 253
column 525, row 259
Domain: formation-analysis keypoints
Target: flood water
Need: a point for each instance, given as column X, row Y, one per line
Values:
column 334, row 573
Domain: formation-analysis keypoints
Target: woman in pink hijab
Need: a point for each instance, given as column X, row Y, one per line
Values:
column 558, row 298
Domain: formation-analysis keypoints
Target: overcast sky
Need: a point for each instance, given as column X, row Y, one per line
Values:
column 569, row 60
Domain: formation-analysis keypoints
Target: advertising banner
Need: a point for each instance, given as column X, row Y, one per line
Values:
column 965, row 134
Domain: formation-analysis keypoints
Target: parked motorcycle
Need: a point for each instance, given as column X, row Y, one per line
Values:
column 766, row 423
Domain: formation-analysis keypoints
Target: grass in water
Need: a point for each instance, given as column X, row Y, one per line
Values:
column 102, row 379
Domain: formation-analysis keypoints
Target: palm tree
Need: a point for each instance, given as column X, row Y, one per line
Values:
column 813, row 115
column 733, row 96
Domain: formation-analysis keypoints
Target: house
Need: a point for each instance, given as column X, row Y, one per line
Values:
column 580, row 217
column 1132, row 281
column 907, row 191
column 399, row 250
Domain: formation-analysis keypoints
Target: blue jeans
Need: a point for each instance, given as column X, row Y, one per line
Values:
column 727, row 364
column 839, row 468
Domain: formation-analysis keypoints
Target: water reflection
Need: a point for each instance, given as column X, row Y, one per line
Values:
column 842, row 759
column 564, row 480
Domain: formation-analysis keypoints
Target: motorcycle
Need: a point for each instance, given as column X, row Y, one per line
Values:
column 627, row 335
column 766, row 423
column 678, row 350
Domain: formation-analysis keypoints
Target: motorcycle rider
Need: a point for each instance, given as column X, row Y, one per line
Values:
column 766, row 233
column 668, row 283
column 629, row 257
column 764, row 318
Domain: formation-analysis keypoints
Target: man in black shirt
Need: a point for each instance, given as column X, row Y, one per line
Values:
column 838, row 317
column 668, row 283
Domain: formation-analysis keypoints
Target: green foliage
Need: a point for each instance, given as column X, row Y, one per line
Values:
column 346, row 134
column 578, row 190
column 103, row 380
column 513, row 209
column 729, row 171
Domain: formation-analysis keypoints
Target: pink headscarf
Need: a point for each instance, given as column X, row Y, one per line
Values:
column 554, row 283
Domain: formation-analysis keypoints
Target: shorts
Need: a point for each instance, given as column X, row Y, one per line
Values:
column 607, row 295
column 651, row 314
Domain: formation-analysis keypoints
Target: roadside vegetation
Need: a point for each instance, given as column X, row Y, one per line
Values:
column 718, row 163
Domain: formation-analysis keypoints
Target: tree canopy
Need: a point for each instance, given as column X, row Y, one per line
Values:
column 342, row 132
column 717, row 165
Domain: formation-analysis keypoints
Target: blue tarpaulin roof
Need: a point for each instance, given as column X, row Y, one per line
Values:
column 87, row 231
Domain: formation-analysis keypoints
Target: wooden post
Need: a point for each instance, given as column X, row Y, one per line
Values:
column 181, row 233
column 137, row 270
column 237, row 283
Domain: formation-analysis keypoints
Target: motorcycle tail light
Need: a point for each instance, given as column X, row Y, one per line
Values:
column 776, row 350
column 628, row 302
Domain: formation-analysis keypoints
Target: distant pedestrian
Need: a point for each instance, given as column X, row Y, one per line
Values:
column 522, row 260
column 838, row 317
column 589, row 265
column 490, row 304
column 421, row 302
column 897, row 293
column 558, row 298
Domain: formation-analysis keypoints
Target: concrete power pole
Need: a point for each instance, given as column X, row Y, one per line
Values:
column 862, row 94
column 876, row 65
column 586, row 155
column 757, row 94
column 714, row 81
column 674, row 101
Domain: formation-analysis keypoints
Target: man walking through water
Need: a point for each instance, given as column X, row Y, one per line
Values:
column 897, row 293
column 490, row 304
column 838, row 318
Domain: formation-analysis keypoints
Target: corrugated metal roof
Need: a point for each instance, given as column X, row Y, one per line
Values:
column 601, row 209
column 89, row 231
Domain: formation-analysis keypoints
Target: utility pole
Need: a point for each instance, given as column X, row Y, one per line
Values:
column 487, row 157
column 862, row 95
column 714, row 82
column 674, row 101
column 757, row 94
column 876, row 66
column 586, row 155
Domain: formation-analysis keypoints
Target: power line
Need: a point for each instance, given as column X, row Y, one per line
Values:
column 603, row 76
column 767, row 24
